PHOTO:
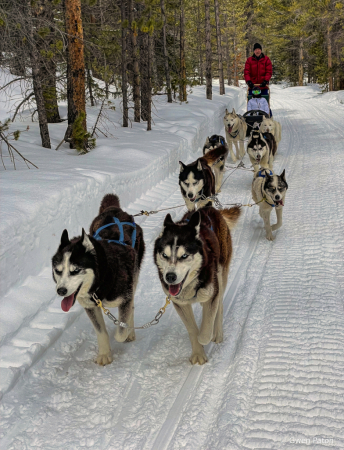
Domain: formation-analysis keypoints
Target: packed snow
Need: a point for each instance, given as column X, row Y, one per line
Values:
column 277, row 379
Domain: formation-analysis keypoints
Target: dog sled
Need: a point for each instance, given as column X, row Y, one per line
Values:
column 254, row 117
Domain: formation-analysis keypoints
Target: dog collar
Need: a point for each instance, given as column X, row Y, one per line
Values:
column 234, row 135
column 121, row 232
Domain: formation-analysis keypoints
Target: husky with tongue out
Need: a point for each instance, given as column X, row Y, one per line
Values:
column 259, row 151
column 193, row 257
column 86, row 265
column 235, row 127
column 272, row 188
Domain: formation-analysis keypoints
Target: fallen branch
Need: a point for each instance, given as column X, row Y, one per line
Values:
column 98, row 117
column 10, row 150
column 20, row 104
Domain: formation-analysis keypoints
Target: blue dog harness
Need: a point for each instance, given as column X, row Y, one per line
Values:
column 263, row 176
column 121, row 232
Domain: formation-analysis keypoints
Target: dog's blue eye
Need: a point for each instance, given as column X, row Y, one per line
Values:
column 184, row 256
column 195, row 183
column 164, row 255
column 74, row 272
column 58, row 272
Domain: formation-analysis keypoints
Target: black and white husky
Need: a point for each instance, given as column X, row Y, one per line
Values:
column 272, row 188
column 197, row 182
column 260, row 152
column 106, row 263
column 193, row 257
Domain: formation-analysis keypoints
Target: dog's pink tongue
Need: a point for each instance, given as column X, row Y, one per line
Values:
column 67, row 303
column 174, row 289
column 230, row 129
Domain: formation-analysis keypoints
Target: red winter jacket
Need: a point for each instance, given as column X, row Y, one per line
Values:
column 258, row 70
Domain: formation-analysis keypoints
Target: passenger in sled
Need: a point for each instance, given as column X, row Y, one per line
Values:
column 257, row 102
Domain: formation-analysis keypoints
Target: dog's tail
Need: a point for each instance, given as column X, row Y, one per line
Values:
column 214, row 155
column 109, row 201
column 231, row 216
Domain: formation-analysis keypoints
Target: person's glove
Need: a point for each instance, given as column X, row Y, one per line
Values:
column 250, row 84
column 264, row 83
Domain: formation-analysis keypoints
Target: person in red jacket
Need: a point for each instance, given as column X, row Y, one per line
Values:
column 258, row 68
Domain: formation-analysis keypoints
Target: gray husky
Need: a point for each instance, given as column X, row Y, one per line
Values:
column 272, row 188
column 193, row 257
column 106, row 263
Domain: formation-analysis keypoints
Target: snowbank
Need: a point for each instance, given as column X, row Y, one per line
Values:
column 66, row 191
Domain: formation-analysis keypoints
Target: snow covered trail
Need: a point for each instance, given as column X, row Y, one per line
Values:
column 276, row 382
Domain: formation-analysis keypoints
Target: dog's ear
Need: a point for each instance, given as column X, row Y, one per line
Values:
column 269, row 178
column 195, row 222
column 86, row 242
column 199, row 165
column 182, row 166
column 227, row 111
column 64, row 239
column 207, row 141
column 168, row 220
column 282, row 176
column 233, row 112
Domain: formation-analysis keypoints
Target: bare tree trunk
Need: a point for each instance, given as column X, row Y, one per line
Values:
column 89, row 83
column 199, row 43
column 235, row 76
column 135, row 58
column 167, row 69
column 124, row 67
column 227, row 51
column 329, row 58
column 48, row 66
column 149, row 83
column 219, row 47
column 144, row 51
column 75, row 66
column 37, row 84
column 208, row 76
column 182, row 54
column 301, row 63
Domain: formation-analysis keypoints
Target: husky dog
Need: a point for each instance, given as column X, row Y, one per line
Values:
column 212, row 142
column 269, row 125
column 259, row 151
column 107, row 266
column 216, row 159
column 273, row 188
column 235, row 127
column 193, row 257
column 196, row 180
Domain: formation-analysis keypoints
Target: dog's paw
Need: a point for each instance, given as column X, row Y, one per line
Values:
column 121, row 334
column 269, row 237
column 218, row 338
column 204, row 338
column 198, row 358
column 105, row 359
column 131, row 337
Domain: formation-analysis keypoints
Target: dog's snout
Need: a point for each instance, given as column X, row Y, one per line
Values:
column 190, row 195
column 62, row 291
column 171, row 277
column 277, row 197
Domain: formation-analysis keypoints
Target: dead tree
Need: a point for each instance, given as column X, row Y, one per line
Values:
column 144, row 56
column 209, row 87
column 219, row 47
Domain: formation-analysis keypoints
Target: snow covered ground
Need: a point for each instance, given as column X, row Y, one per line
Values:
column 277, row 379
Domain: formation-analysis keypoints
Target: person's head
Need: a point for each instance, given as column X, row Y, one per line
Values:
column 257, row 49
column 256, row 93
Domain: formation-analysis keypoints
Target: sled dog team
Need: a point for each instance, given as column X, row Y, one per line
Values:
column 192, row 255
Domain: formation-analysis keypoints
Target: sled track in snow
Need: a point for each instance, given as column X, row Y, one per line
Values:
column 194, row 375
